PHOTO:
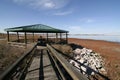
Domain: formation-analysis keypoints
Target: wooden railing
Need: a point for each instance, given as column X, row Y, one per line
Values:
column 58, row 58
column 18, row 70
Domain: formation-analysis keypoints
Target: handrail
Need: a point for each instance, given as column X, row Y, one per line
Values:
column 68, row 67
column 18, row 68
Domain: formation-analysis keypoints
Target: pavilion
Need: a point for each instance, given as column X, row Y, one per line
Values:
column 38, row 28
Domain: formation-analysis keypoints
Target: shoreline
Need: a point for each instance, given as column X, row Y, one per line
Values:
column 96, row 40
column 111, row 38
column 110, row 51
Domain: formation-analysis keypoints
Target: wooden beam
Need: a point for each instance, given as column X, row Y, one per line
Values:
column 60, row 36
column 17, row 36
column 33, row 36
column 66, row 38
column 70, row 69
column 25, row 38
column 8, row 36
column 47, row 37
column 56, row 37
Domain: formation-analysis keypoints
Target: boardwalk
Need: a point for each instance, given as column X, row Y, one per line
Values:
column 42, row 64
column 41, row 67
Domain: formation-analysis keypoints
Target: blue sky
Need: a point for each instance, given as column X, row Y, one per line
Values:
column 76, row 16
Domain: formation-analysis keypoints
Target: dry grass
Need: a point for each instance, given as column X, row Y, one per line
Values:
column 63, row 48
column 110, row 51
column 8, row 55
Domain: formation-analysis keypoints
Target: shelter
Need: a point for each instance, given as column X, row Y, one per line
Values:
column 37, row 28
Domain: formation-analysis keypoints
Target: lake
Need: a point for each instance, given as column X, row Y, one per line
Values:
column 115, row 38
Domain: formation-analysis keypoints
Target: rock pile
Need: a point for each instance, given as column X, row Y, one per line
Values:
column 88, row 62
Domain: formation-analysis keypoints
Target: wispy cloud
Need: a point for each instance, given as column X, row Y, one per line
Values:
column 63, row 13
column 43, row 4
column 87, row 20
column 90, row 20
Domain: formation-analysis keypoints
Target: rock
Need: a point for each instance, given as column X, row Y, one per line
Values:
column 77, row 51
column 75, row 64
column 102, row 70
column 92, row 73
column 92, row 62
column 72, row 62
column 89, row 50
column 83, row 69
column 81, row 60
column 77, row 57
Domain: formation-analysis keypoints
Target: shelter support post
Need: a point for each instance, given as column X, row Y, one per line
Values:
column 25, row 38
column 17, row 37
column 56, row 37
column 8, row 36
column 33, row 36
column 66, row 37
column 47, row 37
column 60, row 37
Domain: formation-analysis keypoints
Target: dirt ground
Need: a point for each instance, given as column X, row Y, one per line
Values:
column 110, row 51
column 9, row 54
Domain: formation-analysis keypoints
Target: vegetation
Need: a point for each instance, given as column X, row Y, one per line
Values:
column 8, row 54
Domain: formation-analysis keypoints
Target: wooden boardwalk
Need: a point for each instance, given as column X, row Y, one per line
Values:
column 42, row 63
column 41, row 67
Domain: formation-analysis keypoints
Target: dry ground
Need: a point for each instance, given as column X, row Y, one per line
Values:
column 9, row 54
column 110, row 51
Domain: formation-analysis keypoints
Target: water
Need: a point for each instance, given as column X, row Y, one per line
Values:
column 115, row 38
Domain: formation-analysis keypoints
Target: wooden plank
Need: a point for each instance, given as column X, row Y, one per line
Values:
column 41, row 67
column 49, row 73
column 68, row 67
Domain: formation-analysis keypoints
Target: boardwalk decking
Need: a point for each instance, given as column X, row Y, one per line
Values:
column 41, row 67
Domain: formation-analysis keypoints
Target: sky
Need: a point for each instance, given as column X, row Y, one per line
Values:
column 76, row 16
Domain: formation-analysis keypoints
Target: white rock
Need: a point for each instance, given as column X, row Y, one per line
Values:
column 77, row 51
column 75, row 64
column 102, row 70
column 88, row 53
column 77, row 57
column 86, row 63
column 92, row 73
column 98, row 65
column 88, row 58
column 83, row 68
column 89, row 50
column 72, row 62
column 81, row 60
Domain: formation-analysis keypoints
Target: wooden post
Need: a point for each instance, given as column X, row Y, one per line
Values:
column 8, row 36
column 25, row 38
column 56, row 37
column 66, row 38
column 47, row 37
column 60, row 36
column 17, row 37
column 33, row 37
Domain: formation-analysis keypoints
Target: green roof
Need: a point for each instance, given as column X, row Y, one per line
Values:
column 37, row 28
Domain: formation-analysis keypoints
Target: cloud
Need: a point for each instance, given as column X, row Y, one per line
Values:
column 90, row 20
column 43, row 4
column 63, row 13
column 87, row 20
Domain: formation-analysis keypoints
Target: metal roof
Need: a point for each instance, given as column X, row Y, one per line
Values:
column 37, row 28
